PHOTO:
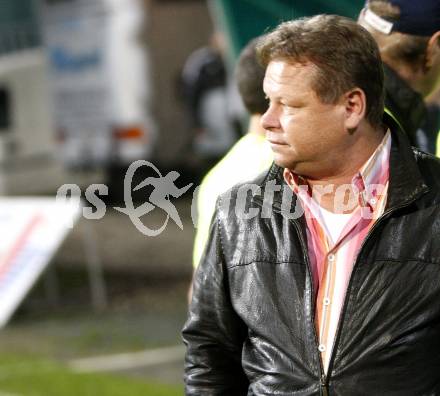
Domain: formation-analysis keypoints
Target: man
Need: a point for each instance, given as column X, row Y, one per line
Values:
column 249, row 75
column 408, row 35
column 300, row 305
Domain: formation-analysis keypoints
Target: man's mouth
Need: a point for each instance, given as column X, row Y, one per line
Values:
column 275, row 142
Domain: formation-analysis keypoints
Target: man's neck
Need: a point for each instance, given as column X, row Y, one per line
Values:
column 354, row 160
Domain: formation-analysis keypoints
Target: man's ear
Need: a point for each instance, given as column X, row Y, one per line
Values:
column 432, row 50
column 355, row 108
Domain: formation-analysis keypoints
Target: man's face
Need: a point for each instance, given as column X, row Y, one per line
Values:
column 306, row 135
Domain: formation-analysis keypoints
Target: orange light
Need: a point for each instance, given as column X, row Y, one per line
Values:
column 129, row 133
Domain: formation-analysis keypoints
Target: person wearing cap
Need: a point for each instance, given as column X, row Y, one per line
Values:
column 322, row 275
column 408, row 35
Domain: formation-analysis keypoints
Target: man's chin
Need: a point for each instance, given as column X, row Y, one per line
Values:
column 285, row 163
column 300, row 168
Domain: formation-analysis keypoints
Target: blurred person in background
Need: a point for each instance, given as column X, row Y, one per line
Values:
column 204, row 84
column 408, row 35
column 432, row 122
column 253, row 147
column 331, row 299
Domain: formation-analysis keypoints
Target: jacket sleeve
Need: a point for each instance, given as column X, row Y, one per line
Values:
column 213, row 333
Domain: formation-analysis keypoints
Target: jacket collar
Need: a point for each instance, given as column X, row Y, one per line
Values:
column 406, row 183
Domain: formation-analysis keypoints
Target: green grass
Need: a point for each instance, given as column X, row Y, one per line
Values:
column 22, row 375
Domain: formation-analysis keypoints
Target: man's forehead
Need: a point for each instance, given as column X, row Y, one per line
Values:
column 282, row 65
column 286, row 73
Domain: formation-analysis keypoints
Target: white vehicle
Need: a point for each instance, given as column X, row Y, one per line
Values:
column 99, row 79
column 27, row 140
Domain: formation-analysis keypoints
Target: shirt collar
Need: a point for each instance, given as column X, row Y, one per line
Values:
column 376, row 168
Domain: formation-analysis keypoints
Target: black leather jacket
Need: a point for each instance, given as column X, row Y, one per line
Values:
column 251, row 327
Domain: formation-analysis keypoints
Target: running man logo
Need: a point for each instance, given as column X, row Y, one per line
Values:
column 164, row 188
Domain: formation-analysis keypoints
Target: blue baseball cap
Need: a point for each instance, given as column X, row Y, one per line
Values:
column 417, row 17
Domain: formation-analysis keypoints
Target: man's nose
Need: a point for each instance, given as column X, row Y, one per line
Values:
column 270, row 120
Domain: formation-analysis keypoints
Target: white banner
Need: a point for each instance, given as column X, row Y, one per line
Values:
column 31, row 231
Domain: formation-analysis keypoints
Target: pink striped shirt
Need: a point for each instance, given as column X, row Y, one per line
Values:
column 332, row 260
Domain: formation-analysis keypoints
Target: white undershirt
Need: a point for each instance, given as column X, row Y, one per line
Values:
column 334, row 222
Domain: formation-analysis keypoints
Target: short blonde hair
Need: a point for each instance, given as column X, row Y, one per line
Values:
column 344, row 53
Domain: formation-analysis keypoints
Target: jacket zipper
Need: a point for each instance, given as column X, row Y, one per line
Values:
column 324, row 385
column 322, row 377
column 344, row 308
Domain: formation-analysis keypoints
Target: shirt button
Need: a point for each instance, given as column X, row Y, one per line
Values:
column 373, row 201
column 331, row 257
column 321, row 348
column 326, row 301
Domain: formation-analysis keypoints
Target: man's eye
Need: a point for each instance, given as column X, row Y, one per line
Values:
column 292, row 105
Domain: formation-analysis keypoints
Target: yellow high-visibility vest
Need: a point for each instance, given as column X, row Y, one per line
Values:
column 438, row 145
column 249, row 157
